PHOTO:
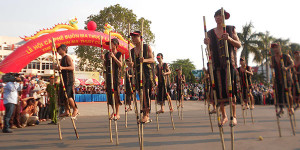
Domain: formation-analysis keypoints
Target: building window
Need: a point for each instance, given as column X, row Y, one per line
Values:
column 43, row 66
column 51, row 66
column 47, row 66
column 33, row 65
column 38, row 66
column 29, row 66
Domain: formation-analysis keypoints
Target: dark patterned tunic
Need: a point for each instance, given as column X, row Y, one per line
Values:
column 68, row 77
column 116, row 78
column 178, row 81
column 295, row 90
column 162, row 93
column 128, row 87
column 243, row 81
column 217, row 48
column 279, row 81
column 148, row 80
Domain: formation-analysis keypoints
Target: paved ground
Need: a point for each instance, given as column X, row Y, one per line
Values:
column 193, row 132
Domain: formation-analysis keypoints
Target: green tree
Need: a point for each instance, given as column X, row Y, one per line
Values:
column 284, row 43
column 258, row 78
column 250, row 43
column 266, row 39
column 294, row 47
column 118, row 17
column 187, row 67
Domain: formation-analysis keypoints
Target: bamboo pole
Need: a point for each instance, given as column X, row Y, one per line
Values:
column 297, row 88
column 248, row 96
column 181, row 99
column 124, row 88
column 203, row 74
column 169, row 101
column 157, row 114
column 133, row 90
column 53, row 53
column 286, row 91
column 240, row 92
column 141, row 90
column 113, row 90
column 206, row 99
column 275, row 96
column 229, row 82
column 108, row 112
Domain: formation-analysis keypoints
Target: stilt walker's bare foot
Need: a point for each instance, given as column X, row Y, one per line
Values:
column 281, row 112
column 247, row 106
column 161, row 111
column 118, row 117
column 146, row 119
column 130, row 108
column 213, row 111
column 292, row 111
column 75, row 113
column 244, row 107
column 111, row 117
column 224, row 120
column 234, row 122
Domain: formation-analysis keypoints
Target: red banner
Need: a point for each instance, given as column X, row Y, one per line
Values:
column 37, row 47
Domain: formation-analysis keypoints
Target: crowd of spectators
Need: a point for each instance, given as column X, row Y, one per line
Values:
column 32, row 105
column 263, row 95
column 89, row 89
column 23, row 103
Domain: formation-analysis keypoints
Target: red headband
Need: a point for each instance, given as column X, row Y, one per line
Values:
column 158, row 57
column 274, row 45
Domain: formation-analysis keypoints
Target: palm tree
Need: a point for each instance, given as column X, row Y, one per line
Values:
column 265, row 39
column 250, row 43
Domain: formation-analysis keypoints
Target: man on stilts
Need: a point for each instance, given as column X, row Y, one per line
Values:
column 148, row 79
column 279, row 77
column 216, row 40
column 67, row 69
column 179, row 80
column 296, row 75
column 116, row 65
column 162, row 72
column 245, row 73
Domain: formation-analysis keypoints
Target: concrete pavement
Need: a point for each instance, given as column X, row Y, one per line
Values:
column 193, row 132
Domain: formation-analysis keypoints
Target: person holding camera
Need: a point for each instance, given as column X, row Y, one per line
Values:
column 10, row 99
column 29, row 114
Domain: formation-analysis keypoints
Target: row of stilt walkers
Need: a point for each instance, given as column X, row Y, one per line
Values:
column 138, row 78
column 222, row 43
column 223, row 81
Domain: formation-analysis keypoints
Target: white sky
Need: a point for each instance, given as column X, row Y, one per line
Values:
column 177, row 25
